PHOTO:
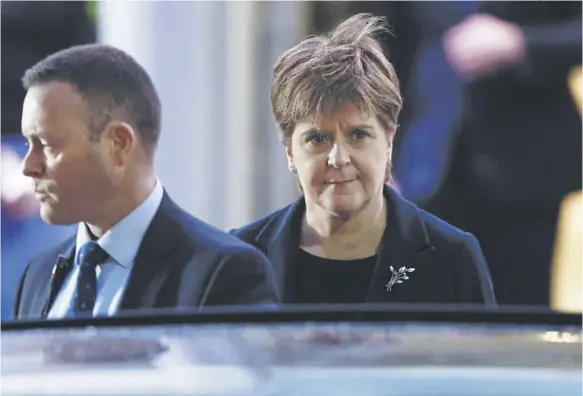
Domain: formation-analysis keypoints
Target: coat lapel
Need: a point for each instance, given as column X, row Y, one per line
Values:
column 50, row 279
column 280, row 239
column 406, row 249
column 159, row 251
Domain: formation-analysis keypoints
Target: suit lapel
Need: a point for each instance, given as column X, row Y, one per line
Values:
column 280, row 239
column 406, row 248
column 160, row 249
column 50, row 278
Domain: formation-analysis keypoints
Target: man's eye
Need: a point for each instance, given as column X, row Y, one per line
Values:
column 35, row 143
column 360, row 134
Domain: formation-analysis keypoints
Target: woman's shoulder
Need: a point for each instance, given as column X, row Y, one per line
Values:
column 415, row 222
column 439, row 229
column 249, row 232
column 458, row 252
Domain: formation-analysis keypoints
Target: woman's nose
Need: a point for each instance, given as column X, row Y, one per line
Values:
column 338, row 156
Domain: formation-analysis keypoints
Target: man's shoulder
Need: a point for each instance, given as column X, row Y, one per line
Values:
column 237, row 272
column 209, row 238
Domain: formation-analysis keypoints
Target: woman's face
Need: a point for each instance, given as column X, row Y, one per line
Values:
column 340, row 160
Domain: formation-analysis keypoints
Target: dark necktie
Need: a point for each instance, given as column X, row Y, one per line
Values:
column 89, row 257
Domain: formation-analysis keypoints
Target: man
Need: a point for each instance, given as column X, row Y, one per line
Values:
column 91, row 117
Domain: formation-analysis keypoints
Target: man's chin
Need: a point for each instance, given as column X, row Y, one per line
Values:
column 51, row 216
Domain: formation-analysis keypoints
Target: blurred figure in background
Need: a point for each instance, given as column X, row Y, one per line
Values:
column 30, row 30
column 520, row 147
column 491, row 140
column 351, row 238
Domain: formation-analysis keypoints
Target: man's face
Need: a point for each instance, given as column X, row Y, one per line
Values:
column 69, row 171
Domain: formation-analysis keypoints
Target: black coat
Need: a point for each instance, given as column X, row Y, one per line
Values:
column 449, row 265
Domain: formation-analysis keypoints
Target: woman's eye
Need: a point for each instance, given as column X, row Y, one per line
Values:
column 360, row 134
column 317, row 138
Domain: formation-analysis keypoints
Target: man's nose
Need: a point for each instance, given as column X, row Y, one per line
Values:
column 32, row 164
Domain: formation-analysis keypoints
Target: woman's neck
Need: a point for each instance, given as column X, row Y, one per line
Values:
column 344, row 238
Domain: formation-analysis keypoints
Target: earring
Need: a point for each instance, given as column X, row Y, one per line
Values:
column 292, row 168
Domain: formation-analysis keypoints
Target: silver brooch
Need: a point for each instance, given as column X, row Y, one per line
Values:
column 398, row 276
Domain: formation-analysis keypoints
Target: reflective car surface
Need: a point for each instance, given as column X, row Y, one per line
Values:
column 278, row 356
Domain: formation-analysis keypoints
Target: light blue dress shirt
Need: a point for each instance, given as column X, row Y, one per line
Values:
column 122, row 243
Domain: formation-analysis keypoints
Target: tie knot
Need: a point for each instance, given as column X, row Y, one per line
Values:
column 91, row 254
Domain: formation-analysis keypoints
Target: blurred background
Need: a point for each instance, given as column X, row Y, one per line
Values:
column 489, row 137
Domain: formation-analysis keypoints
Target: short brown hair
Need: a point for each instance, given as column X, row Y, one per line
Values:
column 110, row 81
column 322, row 73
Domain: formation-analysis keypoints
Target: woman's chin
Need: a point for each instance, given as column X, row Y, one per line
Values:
column 343, row 205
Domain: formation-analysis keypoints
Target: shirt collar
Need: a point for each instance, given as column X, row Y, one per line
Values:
column 123, row 240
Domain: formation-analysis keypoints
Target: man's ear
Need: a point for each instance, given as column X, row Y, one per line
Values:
column 121, row 138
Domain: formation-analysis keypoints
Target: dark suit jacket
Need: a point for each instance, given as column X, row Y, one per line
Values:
column 449, row 265
column 182, row 262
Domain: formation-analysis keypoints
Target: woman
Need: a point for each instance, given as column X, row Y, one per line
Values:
column 352, row 238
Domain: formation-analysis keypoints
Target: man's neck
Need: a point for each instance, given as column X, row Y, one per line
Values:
column 124, row 203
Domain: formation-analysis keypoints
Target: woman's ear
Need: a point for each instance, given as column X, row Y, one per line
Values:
column 290, row 160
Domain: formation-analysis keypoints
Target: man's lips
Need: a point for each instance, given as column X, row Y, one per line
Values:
column 41, row 195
